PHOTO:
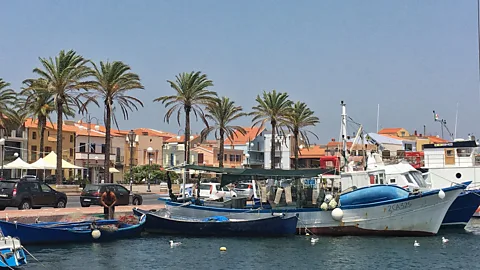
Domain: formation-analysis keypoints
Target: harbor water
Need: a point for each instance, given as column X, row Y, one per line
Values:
column 297, row 252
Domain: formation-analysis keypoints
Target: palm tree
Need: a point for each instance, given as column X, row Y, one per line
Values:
column 272, row 107
column 300, row 117
column 65, row 75
column 222, row 112
column 191, row 94
column 7, row 100
column 38, row 104
column 113, row 81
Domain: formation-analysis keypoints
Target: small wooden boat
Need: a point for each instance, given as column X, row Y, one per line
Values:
column 72, row 232
column 274, row 225
column 12, row 254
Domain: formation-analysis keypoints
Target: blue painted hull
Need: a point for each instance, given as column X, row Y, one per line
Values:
column 462, row 209
column 263, row 227
column 12, row 258
column 74, row 233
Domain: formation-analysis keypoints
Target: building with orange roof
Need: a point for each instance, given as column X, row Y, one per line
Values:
column 252, row 143
column 308, row 157
column 15, row 143
column 208, row 155
column 400, row 132
column 174, row 150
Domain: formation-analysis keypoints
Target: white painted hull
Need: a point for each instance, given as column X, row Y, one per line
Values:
column 448, row 176
column 416, row 216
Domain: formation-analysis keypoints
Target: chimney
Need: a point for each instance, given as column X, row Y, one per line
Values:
column 333, row 139
column 416, row 133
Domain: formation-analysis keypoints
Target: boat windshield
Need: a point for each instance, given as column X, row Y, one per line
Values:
column 419, row 179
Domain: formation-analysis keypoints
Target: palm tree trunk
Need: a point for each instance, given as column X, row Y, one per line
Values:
column 187, row 135
column 295, row 139
column 59, row 172
column 108, row 123
column 222, row 148
column 42, row 122
column 41, row 127
column 272, row 146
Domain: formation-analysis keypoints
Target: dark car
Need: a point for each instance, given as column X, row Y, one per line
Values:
column 27, row 194
column 92, row 192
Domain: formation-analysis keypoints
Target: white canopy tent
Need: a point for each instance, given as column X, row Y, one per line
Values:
column 52, row 159
column 41, row 164
column 18, row 164
column 113, row 170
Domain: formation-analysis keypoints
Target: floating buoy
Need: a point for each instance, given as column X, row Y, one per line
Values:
column 337, row 214
column 328, row 198
column 324, row 206
column 223, row 249
column 307, row 234
column 441, row 194
column 96, row 234
column 332, row 204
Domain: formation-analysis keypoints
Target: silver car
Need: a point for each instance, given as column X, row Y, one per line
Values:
column 245, row 190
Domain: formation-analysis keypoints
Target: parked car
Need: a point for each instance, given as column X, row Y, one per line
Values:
column 52, row 179
column 92, row 192
column 246, row 190
column 214, row 191
column 27, row 194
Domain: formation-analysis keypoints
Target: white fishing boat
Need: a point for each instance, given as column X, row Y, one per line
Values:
column 375, row 210
column 12, row 254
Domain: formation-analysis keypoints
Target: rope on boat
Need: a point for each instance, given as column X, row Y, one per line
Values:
column 31, row 255
column 4, row 260
column 453, row 182
column 306, row 229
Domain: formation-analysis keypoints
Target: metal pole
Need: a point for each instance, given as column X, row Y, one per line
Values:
column 184, row 176
column 3, row 156
column 131, row 164
column 89, row 122
column 149, row 171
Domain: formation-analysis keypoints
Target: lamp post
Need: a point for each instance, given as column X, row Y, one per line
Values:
column 96, row 173
column 131, row 139
column 149, row 151
column 247, row 155
column 89, row 119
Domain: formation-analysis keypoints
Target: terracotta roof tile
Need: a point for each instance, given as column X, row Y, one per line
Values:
column 153, row 132
column 389, row 130
column 250, row 135
column 338, row 144
column 314, row 151
column 435, row 139
column 180, row 139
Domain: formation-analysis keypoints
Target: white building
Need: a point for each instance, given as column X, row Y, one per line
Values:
column 252, row 144
column 282, row 151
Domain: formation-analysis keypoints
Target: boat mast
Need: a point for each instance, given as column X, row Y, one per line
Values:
column 378, row 116
column 344, row 132
column 456, row 120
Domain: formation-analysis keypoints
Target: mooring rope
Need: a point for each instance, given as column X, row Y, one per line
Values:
column 31, row 255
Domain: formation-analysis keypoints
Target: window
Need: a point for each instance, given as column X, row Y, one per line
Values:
column 121, row 189
column 45, row 188
column 218, row 157
column 71, row 152
column 117, row 158
column 409, row 179
column 408, row 147
column 92, row 148
column 82, row 147
column 464, row 152
column 225, row 157
column 237, row 158
column 450, row 153
column 200, row 158
column 145, row 133
column 34, row 135
column 48, row 149
column 71, row 138
column 34, row 153
column 103, row 148
column 232, row 158
column 393, row 181
column 403, row 133
column 360, row 152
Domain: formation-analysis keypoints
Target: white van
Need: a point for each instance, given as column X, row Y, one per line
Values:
column 214, row 191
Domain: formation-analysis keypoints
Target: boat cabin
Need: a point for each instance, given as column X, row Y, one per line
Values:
column 452, row 154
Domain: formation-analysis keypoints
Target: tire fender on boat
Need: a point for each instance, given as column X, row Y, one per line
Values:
column 441, row 194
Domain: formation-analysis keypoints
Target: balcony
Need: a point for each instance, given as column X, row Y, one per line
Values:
column 100, row 157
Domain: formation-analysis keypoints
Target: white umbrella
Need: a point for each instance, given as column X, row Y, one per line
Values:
column 43, row 165
column 18, row 164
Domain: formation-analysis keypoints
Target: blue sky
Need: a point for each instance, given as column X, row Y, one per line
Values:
column 411, row 57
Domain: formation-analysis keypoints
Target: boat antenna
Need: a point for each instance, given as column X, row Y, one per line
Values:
column 443, row 123
column 478, row 42
column 378, row 116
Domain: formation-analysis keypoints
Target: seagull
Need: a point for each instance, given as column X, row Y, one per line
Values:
column 444, row 240
column 174, row 244
column 314, row 240
column 416, row 244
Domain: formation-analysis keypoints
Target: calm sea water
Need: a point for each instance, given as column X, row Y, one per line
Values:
column 154, row 252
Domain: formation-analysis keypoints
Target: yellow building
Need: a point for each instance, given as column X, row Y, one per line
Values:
column 50, row 143
column 399, row 132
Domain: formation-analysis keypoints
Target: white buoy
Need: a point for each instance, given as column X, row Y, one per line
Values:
column 416, row 244
column 332, row 204
column 337, row 214
column 328, row 198
column 307, row 234
column 441, row 194
column 223, row 249
column 96, row 234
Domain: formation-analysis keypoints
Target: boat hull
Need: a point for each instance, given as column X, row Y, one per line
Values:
column 420, row 214
column 49, row 234
column 265, row 226
column 462, row 209
column 12, row 253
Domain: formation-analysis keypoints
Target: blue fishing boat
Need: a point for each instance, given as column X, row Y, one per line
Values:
column 462, row 209
column 72, row 232
column 12, row 254
column 264, row 226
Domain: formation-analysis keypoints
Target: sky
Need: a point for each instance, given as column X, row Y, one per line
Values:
column 411, row 57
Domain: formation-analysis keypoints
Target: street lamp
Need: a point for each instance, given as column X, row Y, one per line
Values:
column 96, row 174
column 149, row 151
column 2, row 143
column 89, row 119
column 131, row 139
column 247, row 155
